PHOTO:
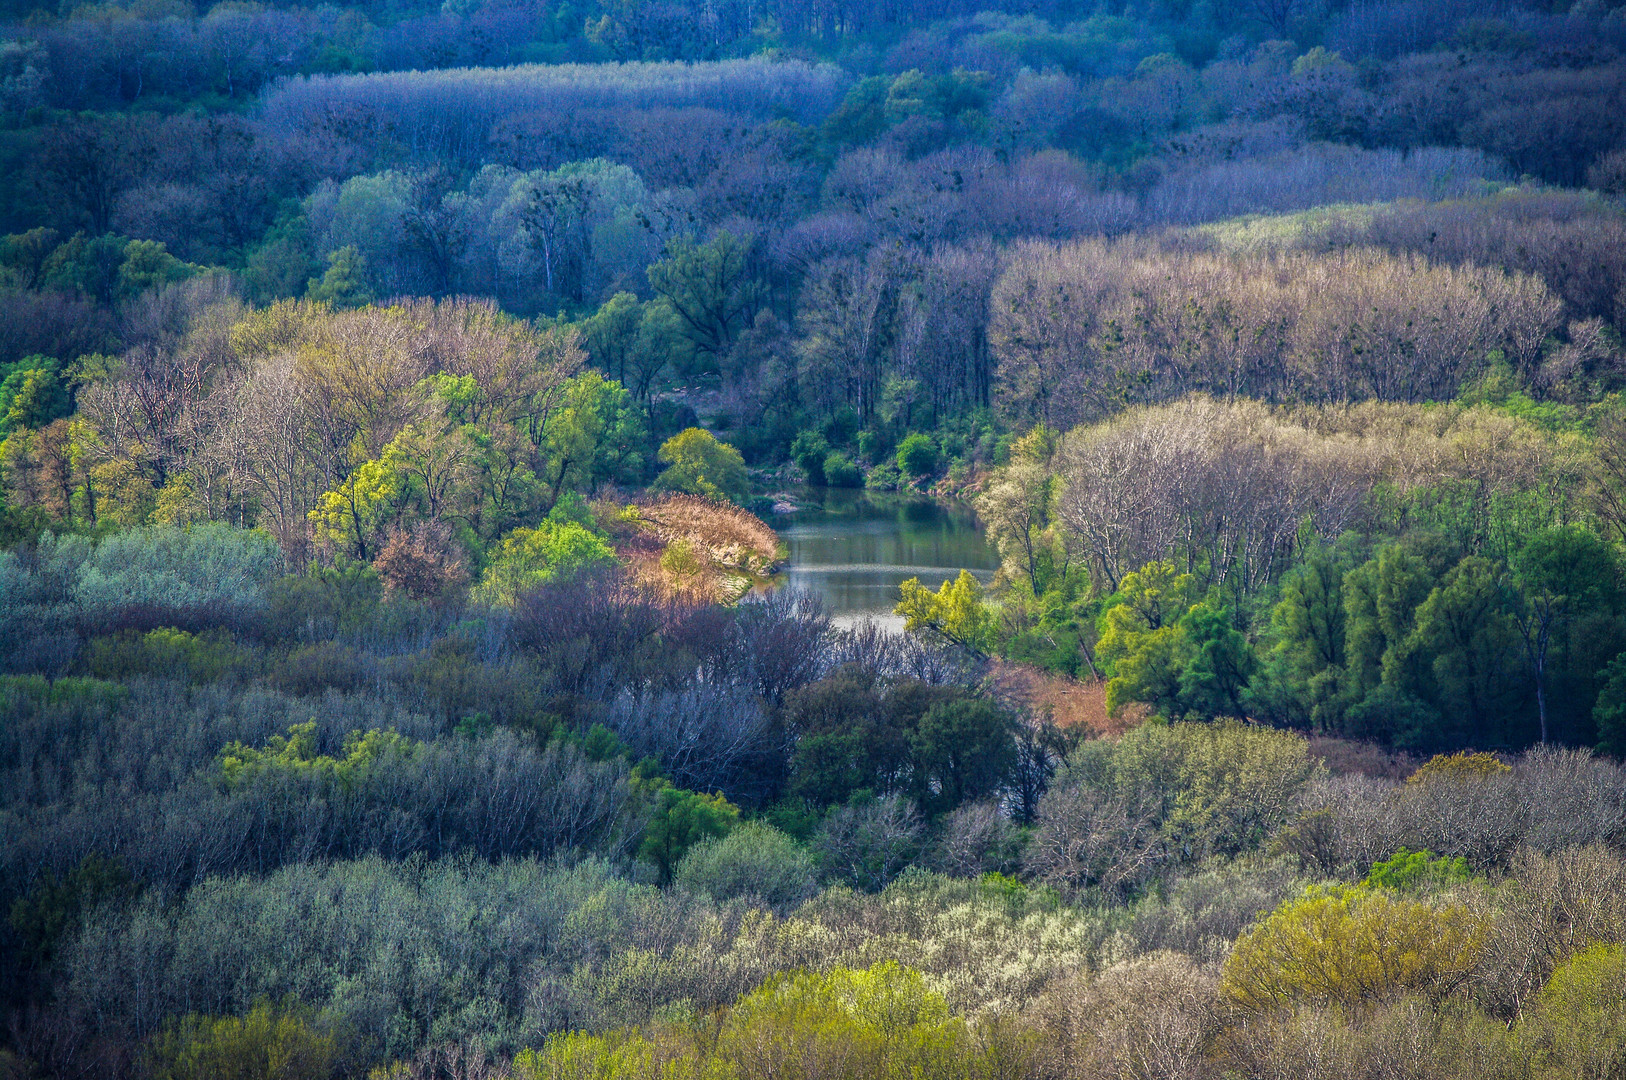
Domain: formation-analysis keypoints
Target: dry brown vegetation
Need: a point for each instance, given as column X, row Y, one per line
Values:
column 708, row 549
column 1070, row 704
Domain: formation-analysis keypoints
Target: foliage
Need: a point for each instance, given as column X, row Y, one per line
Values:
column 696, row 463
column 269, row 1043
column 754, row 860
column 1409, row 871
column 526, row 558
column 296, row 752
column 917, row 456
column 1350, row 945
column 680, row 820
column 955, row 611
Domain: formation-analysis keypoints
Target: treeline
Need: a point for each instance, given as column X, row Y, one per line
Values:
column 1429, row 577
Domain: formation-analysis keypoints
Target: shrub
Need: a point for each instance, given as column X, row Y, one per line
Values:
column 682, row 819
column 840, row 472
column 698, row 464
column 167, row 653
column 1166, row 792
column 869, row 844
column 1349, row 945
column 1410, row 871
column 755, row 860
column 917, row 456
column 270, row 1043
column 809, row 452
column 527, row 558
column 883, row 477
column 1460, row 766
column 168, row 572
column 1581, row 1014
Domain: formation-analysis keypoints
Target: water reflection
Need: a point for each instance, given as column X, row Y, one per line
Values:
column 854, row 548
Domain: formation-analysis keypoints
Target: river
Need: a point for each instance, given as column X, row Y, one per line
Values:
column 854, row 548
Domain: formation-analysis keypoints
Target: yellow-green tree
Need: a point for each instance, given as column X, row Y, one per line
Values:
column 270, row 1043
column 1351, row 944
column 955, row 611
column 700, row 465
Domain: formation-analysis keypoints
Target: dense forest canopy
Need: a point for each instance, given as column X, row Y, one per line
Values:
column 395, row 400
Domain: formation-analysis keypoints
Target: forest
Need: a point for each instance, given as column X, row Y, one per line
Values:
column 398, row 400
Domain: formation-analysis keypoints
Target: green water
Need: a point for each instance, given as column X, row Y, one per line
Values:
column 854, row 548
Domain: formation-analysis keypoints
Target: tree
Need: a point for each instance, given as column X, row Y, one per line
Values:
column 1352, row 945
column 963, row 750
column 526, row 558
column 344, row 283
column 593, row 435
column 917, row 456
column 269, row 1043
column 698, row 464
column 710, row 288
column 680, row 820
column 1458, row 654
column 1610, row 710
column 1558, row 574
column 1221, row 664
column 954, row 612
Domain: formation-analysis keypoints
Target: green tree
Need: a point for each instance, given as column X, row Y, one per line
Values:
column 147, row 265
column 1352, row 945
column 679, row 820
column 594, row 434
column 353, row 516
column 1558, row 575
column 700, row 465
column 917, row 456
column 963, row 750
column 1381, row 597
column 344, row 283
column 1301, row 674
column 847, row 739
column 755, row 860
column 710, row 289
column 954, row 612
column 526, row 558
column 1459, row 654
column 1142, row 646
column 33, row 392
column 1609, row 712
column 610, row 335
column 808, row 451
column 1219, row 666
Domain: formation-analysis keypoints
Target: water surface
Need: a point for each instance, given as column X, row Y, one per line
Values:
column 854, row 548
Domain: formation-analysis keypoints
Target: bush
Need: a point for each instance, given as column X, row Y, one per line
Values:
column 1581, row 1014
column 917, row 456
column 869, row 844
column 1349, row 945
column 698, row 464
column 1411, row 871
column 527, row 558
column 755, row 860
column 188, row 571
column 168, row 653
column 839, row 471
column 1166, row 792
column 883, row 477
column 270, row 1043
column 809, row 452
column 682, row 819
